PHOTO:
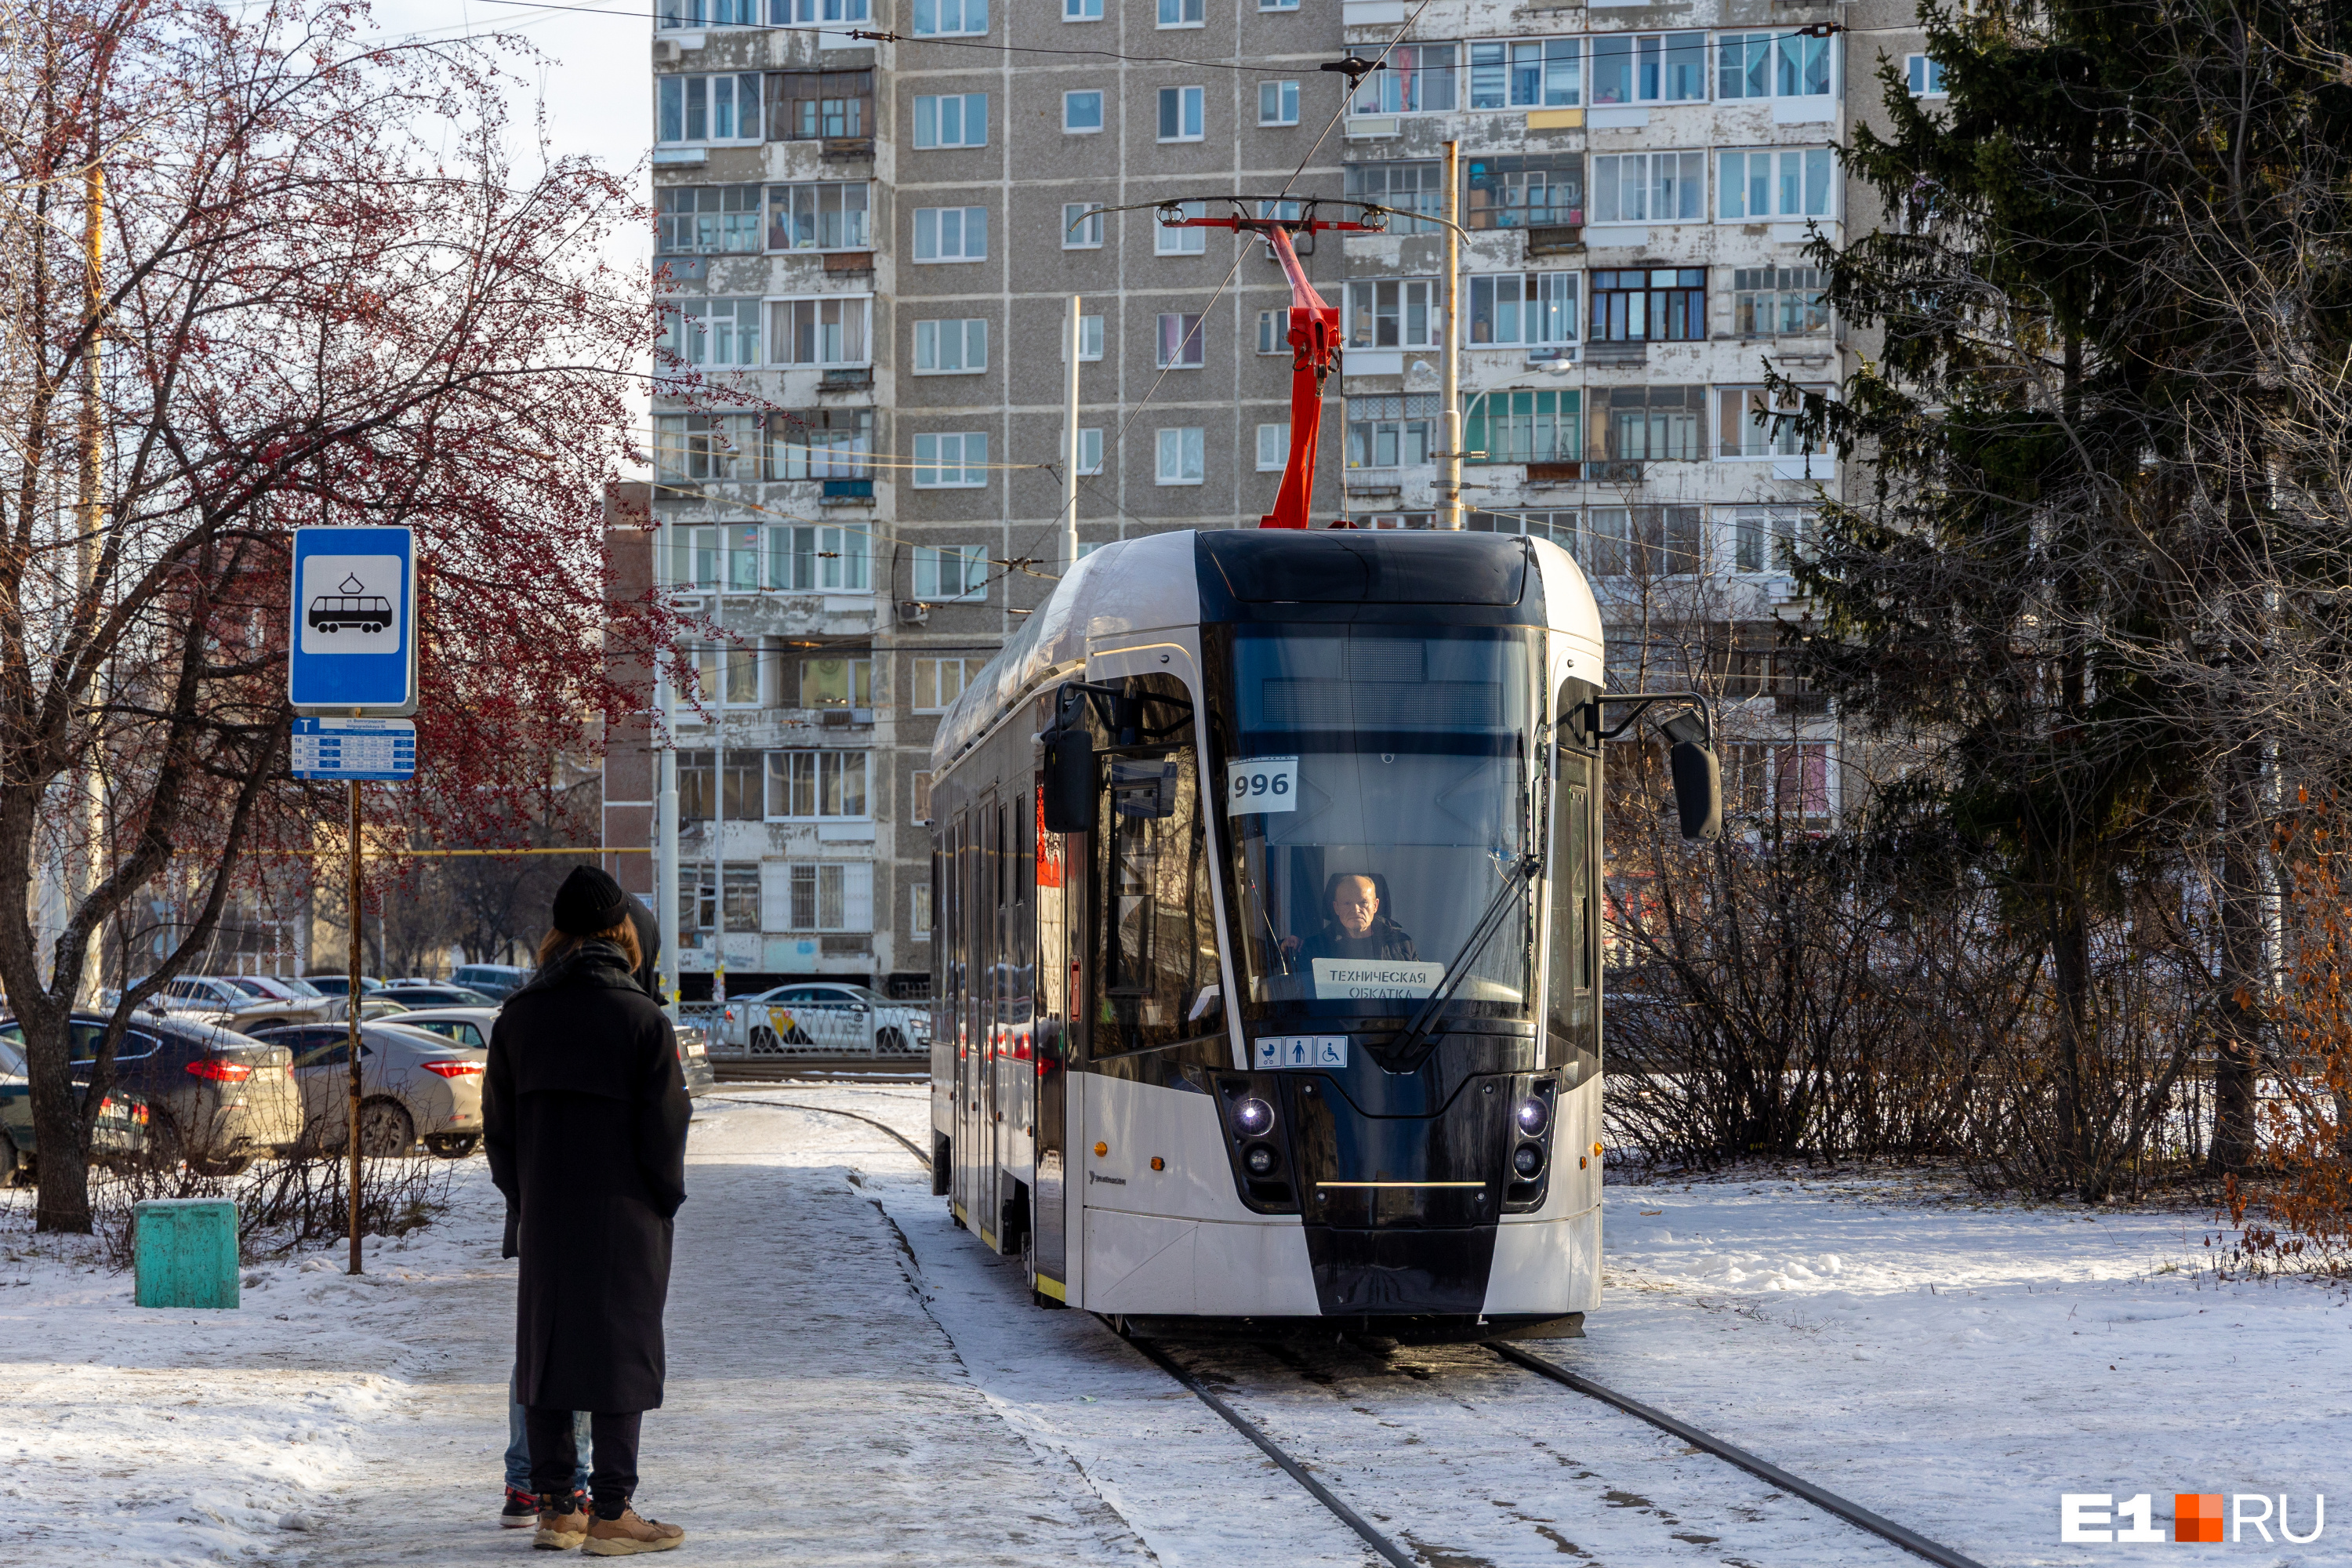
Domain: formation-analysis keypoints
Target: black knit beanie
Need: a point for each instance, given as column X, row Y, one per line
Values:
column 589, row 901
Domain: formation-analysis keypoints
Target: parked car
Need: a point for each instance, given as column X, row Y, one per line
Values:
column 498, row 981
column 338, row 1010
column 236, row 1000
column 430, row 993
column 413, row 1085
column 337, row 984
column 471, row 1026
column 218, row 1098
column 119, row 1137
column 852, row 1019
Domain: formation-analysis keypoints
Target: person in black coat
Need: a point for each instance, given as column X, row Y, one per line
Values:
column 1355, row 925
column 584, row 1114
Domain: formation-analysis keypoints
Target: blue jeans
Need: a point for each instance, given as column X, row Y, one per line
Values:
column 519, row 1447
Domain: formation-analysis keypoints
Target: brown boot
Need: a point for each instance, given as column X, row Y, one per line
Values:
column 629, row 1534
column 563, row 1521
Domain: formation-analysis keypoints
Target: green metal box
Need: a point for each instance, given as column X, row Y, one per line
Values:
column 186, row 1252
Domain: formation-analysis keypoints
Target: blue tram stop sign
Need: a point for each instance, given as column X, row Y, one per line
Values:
column 353, row 644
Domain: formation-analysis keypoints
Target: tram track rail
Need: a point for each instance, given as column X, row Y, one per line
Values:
column 1388, row 1550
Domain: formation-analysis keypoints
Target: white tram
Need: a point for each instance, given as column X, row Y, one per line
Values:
column 1266, row 966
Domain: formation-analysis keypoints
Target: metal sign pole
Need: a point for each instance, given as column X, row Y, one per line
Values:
column 351, row 1010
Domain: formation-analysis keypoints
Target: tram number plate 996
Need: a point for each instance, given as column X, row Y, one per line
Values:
column 1261, row 783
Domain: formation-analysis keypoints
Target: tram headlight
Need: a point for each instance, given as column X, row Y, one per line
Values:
column 1253, row 1116
column 1527, row 1160
column 1534, row 1115
column 1261, row 1159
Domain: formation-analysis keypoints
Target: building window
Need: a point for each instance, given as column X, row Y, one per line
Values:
column 1181, row 345
column 1419, row 80
column 1644, row 541
column 950, row 234
column 945, row 573
column 922, row 804
column 809, row 558
column 1182, row 113
column 1273, row 332
column 712, row 332
column 1082, row 113
column 709, row 14
column 1532, row 308
column 950, row 18
column 1168, row 241
column 816, row 896
column 1182, row 457
column 1780, row 779
column 951, row 348
column 1091, row 448
column 1277, row 5
column 693, row 558
column 955, row 120
column 1090, row 337
column 802, row 786
column 1082, row 226
column 956, row 460
column 1559, row 527
column 1753, row 424
column 829, row 331
column 1416, row 187
column 1662, row 304
column 709, row 108
column 1786, row 183
column 1763, row 538
column 1778, row 301
column 1651, row 424
column 836, row 682
column 1392, row 432
column 1389, row 313
column 1650, row 187
column 1277, row 103
column 1925, row 75
column 820, row 106
column 1182, row 13
column 938, row 682
column 1539, row 73
column 1273, row 448
column 781, row 12
column 694, row 447
column 707, row 220
column 919, row 907
column 1769, row 65
column 1395, row 520
column 699, row 899
column 1654, row 68
column 1082, row 10
column 729, row 675
column 1530, row 191
column 706, row 788
column 818, row 216
column 1524, row 428
column 821, row 444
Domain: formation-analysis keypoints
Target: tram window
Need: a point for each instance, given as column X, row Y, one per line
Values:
column 1155, row 931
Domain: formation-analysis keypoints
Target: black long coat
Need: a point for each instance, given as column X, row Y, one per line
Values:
column 585, row 1112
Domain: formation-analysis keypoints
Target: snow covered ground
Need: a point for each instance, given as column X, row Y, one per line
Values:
column 853, row 1381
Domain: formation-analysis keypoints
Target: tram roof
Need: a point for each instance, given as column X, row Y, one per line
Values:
column 1189, row 577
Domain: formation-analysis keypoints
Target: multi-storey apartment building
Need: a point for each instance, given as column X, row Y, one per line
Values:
column 870, row 246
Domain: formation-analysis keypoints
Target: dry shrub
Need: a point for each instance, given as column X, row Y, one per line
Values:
column 282, row 1204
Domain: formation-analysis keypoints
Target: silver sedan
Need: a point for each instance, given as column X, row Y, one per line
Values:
column 412, row 1084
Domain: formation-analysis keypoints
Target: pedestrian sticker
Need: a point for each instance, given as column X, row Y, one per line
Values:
column 1302, row 1051
column 1261, row 783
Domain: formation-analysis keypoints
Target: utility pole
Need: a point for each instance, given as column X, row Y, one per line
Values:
column 666, row 810
column 89, row 801
column 1070, row 444
column 1449, row 370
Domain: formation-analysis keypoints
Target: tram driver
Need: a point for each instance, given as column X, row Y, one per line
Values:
column 1355, row 925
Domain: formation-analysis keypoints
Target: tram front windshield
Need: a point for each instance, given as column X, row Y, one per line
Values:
column 1378, row 799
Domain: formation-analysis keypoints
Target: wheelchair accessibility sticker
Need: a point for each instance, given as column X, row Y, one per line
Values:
column 1302, row 1051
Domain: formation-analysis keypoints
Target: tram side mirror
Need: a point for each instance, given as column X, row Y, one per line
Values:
column 1069, row 803
column 1698, row 776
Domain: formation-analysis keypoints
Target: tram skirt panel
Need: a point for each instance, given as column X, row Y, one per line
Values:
column 1547, row 1266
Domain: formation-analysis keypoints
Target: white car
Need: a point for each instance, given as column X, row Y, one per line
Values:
column 823, row 1018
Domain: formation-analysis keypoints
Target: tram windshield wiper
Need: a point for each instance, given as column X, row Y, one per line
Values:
column 1514, row 881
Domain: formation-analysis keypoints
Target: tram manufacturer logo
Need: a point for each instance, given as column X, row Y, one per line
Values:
column 2089, row 1518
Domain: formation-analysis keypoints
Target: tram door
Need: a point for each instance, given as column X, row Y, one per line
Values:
column 1049, row 1193
column 990, row 999
column 1572, row 1017
column 961, row 934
